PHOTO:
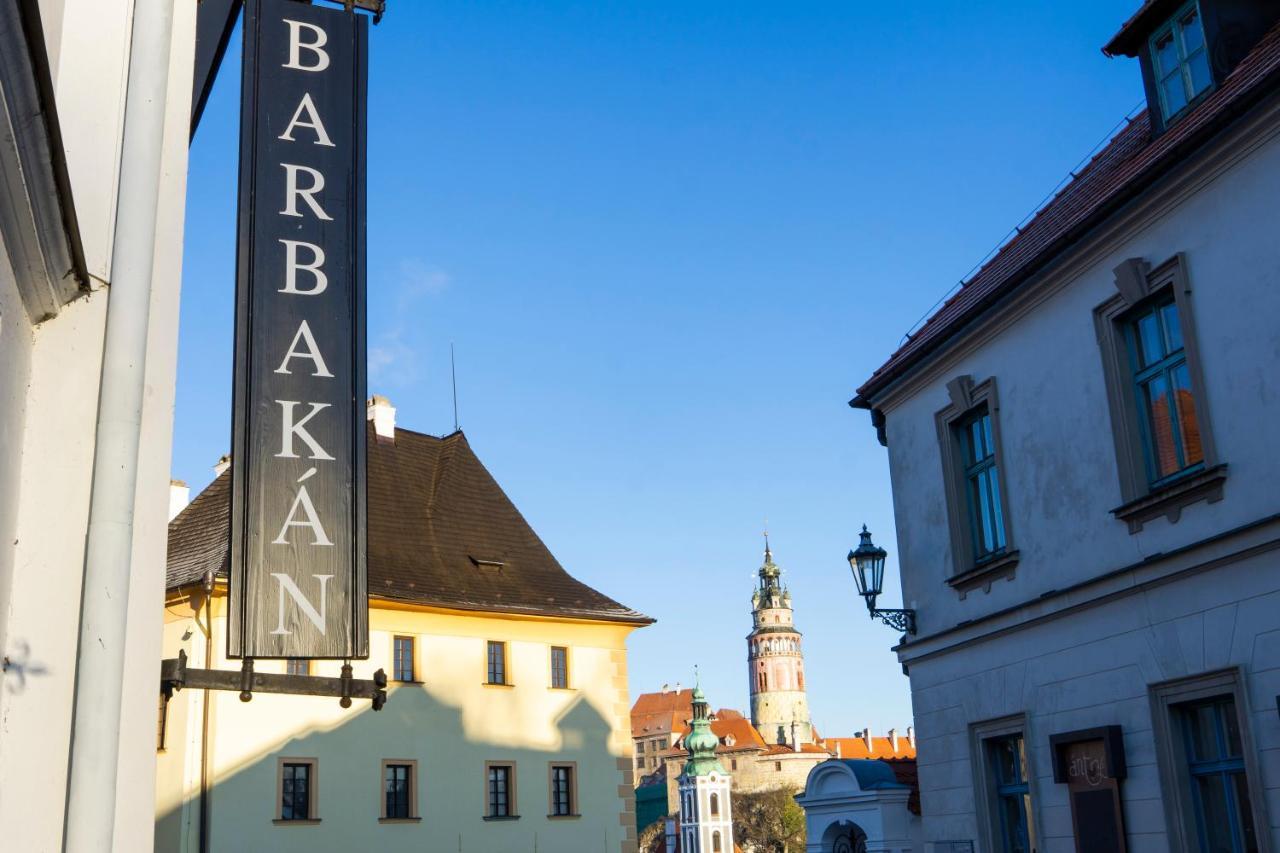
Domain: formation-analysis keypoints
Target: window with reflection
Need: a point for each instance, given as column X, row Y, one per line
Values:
column 982, row 484
column 1007, row 759
column 1162, row 385
column 1215, row 772
column 1180, row 60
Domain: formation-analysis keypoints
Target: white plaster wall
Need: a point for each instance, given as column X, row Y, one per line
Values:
column 1093, row 669
column 1093, row 666
column 89, row 56
column 1059, row 455
column 56, row 465
column 56, row 453
column 15, row 367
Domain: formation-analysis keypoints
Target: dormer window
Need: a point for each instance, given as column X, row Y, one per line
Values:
column 1180, row 61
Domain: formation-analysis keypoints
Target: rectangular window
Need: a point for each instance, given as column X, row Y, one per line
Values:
column 297, row 666
column 497, row 673
column 1160, row 419
column 297, row 789
column 1209, row 773
column 982, row 484
column 1162, row 389
column 398, row 783
column 500, row 790
column 564, row 794
column 1216, row 773
column 973, row 472
column 1007, row 757
column 560, row 667
column 402, row 663
column 1180, row 61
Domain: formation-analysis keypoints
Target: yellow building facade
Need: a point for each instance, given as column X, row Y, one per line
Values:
column 551, row 724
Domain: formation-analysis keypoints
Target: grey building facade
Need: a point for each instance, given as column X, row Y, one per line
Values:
column 1082, row 445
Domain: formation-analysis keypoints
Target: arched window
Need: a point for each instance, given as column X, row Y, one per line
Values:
column 801, row 677
column 715, row 842
column 715, row 805
column 764, row 681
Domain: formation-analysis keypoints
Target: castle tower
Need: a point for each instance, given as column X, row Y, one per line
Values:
column 775, row 662
column 706, row 818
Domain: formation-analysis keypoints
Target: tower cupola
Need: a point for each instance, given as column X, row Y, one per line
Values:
column 775, row 661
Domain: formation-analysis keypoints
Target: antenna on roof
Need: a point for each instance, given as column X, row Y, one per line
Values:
column 453, row 372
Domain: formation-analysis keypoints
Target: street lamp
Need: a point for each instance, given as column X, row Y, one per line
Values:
column 867, row 563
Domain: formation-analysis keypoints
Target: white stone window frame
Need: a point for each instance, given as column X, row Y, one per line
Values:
column 1136, row 282
column 967, row 573
column 985, row 800
column 1171, row 758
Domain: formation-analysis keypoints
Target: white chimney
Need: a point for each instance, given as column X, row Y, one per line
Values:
column 866, row 738
column 911, row 736
column 837, row 747
column 383, row 415
column 179, row 497
column 893, row 739
column 224, row 462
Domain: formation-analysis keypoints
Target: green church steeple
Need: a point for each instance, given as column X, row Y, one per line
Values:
column 701, row 742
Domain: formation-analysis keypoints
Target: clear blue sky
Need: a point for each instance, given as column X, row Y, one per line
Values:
column 668, row 241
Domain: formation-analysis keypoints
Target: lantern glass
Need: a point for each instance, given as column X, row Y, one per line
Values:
column 867, row 562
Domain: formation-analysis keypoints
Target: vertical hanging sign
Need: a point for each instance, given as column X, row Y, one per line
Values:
column 298, row 585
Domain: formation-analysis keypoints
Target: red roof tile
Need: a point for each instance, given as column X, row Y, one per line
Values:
column 881, row 747
column 1128, row 164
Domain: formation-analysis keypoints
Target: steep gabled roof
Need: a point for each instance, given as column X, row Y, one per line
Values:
column 1131, row 162
column 441, row 532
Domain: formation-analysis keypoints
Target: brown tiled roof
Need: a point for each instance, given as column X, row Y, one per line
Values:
column 745, row 737
column 434, row 510
column 660, row 713
column 1129, row 163
column 881, row 747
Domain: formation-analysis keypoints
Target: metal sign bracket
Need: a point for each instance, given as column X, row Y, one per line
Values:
column 175, row 675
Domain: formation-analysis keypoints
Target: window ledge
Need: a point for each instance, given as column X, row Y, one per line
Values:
column 564, row 689
column 502, row 817
column 496, row 684
column 986, row 574
column 309, row 822
column 399, row 820
column 564, row 817
column 1170, row 499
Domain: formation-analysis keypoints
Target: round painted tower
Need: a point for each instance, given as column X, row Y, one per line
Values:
column 775, row 662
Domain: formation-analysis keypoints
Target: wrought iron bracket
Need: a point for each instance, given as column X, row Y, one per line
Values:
column 175, row 675
column 901, row 620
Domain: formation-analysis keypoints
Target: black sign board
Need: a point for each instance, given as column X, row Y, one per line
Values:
column 1092, row 764
column 298, row 584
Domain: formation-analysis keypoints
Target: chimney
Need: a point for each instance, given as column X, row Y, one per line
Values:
column 866, row 738
column 911, row 736
column 179, row 497
column 893, row 740
column 383, row 415
column 224, row 462
column 838, row 747
column 666, row 688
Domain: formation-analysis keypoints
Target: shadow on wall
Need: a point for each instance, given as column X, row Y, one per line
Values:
column 18, row 666
column 451, row 790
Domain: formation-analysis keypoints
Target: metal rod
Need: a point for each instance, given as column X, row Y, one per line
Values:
column 175, row 675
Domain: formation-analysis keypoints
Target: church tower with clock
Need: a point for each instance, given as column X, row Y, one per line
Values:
column 775, row 662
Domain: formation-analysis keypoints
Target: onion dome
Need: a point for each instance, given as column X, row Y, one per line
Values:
column 701, row 742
